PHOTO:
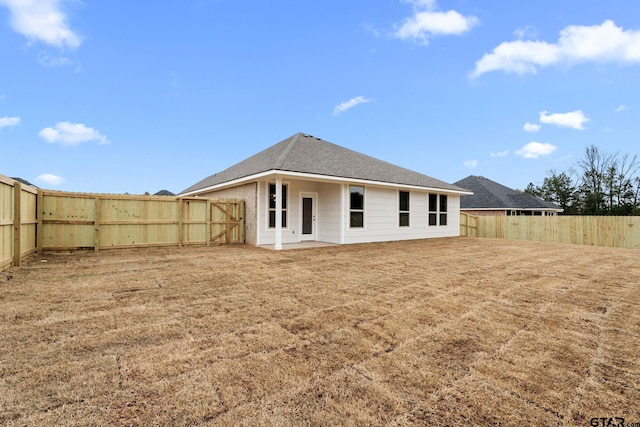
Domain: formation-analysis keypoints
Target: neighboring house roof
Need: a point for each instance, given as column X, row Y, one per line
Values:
column 164, row 193
column 307, row 154
column 23, row 181
column 489, row 194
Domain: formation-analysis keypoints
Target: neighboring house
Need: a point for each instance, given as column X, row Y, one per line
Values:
column 164, row 193
column 23, row 181
column 491, row 198
column 304, row 188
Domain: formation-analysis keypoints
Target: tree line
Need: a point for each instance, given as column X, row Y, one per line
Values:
column 600, row 183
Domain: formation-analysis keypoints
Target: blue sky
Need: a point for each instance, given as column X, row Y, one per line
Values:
column 128, row 96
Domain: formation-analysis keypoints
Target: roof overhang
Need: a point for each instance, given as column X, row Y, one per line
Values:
column 317, row 178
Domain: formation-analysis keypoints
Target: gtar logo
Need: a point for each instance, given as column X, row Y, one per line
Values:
column 607, row 422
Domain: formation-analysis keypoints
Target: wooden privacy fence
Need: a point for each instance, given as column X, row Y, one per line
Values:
column 468, row 225
column 72, row 221
column 18, row 222
column 611, row 231
column 34, row 220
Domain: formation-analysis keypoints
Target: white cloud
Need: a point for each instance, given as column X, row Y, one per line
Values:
column 471, row 163
column 42, row 20
column 531, row 127
column 427, row 21
column 49, row 179
column 350, row 104
column 9, row 121
column 54, row 61
column 533, row 150
column 504, row 153
column 622, row 107
column 525, row 32
column 574, row 119
column 576, row 44
column 67, row 133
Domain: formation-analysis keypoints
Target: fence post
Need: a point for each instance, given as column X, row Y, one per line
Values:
column 17, row 223
column 209, row 218
column 39, row 234
column 466, row 225
column 180, row 222
column 96, row 223
column 228, row 222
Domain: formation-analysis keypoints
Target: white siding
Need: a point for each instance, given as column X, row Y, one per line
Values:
column 381, row 209
column 332, row 214
column 327, row 212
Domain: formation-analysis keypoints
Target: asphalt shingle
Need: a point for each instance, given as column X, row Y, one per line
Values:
column 307, row 154
column 488, row 194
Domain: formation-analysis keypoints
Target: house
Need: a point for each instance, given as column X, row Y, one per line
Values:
column 491, row 198
column 164, row 193
column 305, row 188
column 23, row 181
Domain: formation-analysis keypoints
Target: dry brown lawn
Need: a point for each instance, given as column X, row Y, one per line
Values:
column 433, row 332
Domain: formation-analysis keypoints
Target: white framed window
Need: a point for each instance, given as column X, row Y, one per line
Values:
column 272, row 205
column 356, row 206
column 437, row 209
column 403, row 208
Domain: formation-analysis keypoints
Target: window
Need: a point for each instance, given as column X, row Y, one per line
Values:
column 356, row 206
column 443, row 209
column 437, row 209
column 433, row 209
column 272, row 205
column 404, row 209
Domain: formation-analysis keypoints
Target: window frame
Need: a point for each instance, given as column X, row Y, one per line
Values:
column 437, row 210
column 353, row 210
column 443, row 210
column 404, row 213
column 285, row 205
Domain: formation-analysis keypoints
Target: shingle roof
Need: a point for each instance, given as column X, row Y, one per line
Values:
column 164, row 193
column 489, row 194
column 23, row 181
column 307, row 154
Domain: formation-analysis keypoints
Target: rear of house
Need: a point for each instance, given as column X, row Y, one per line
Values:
column 304, row 188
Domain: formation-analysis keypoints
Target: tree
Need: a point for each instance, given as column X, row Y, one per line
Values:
column 594, row 165
column 604, row 184
column 559, row 189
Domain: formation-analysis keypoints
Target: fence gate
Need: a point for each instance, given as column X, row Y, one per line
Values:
column 468, row 225
column 227, row 221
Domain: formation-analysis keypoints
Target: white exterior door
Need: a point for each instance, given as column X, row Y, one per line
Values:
column 308, row 217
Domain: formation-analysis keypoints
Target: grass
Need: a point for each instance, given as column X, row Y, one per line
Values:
column 431, row 332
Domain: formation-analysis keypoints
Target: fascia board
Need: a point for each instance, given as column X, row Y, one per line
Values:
column 320, row 178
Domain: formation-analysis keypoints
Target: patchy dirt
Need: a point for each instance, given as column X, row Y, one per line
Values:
column 431, row 332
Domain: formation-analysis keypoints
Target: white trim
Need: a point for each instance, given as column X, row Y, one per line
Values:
column 344, row 190
column 403, row 227
column 320, row 178
column 288, row 203
column 278, row 243
column 314, row 213
column 259, row 211
column 364, row 208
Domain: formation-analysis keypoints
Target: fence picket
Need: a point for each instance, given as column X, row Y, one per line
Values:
column 610, row 231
